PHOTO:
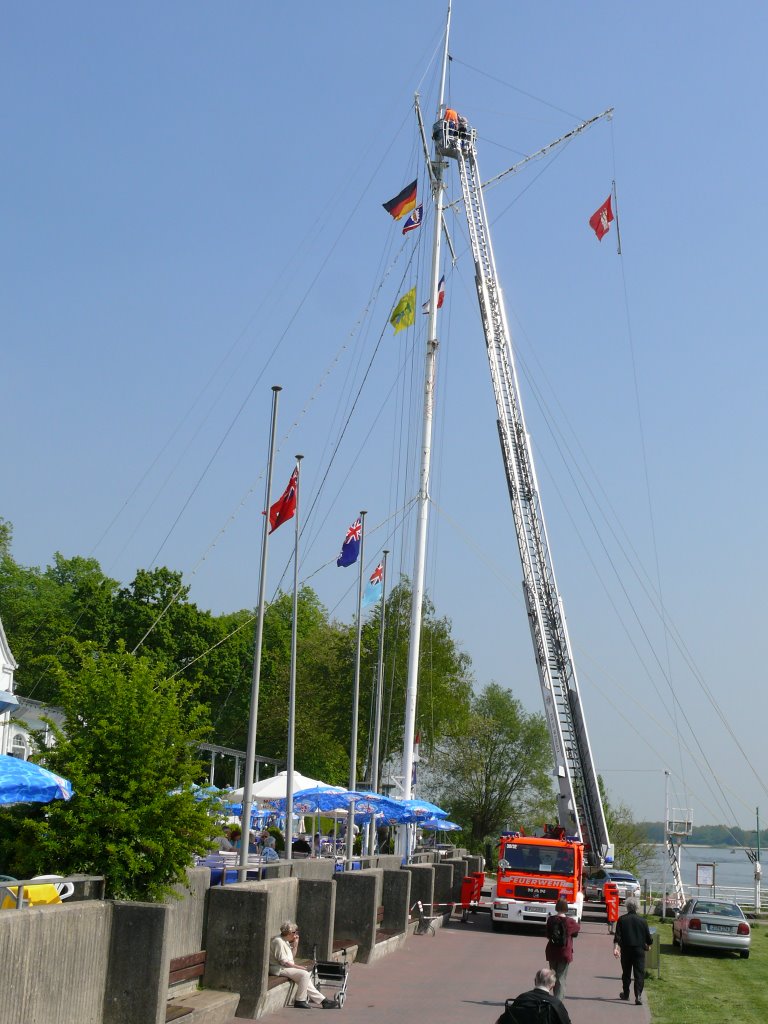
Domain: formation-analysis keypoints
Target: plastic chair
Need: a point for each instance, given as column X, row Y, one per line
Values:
column 64, row 889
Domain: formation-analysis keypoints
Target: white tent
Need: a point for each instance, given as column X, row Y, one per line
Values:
column 275, row 788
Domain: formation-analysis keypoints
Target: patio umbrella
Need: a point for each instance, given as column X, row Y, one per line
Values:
column 317, row 799
column 24, row 782
column 275, row 788
column 423, row 809
column 440, row 825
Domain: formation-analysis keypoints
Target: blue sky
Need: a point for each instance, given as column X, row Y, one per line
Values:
column 191, row 199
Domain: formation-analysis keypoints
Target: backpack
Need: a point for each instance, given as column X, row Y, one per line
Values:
column 529, row 1008
column 558, row 933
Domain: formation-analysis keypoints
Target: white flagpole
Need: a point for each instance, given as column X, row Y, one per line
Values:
column 253, row 715
column 378, row 704
column 292, row 684
column 350, row 837
column 422, row 515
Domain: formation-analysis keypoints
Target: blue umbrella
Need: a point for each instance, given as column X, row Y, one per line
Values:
column 440, row 825
column 423, row 809
column 24, row 782
column 317, row 799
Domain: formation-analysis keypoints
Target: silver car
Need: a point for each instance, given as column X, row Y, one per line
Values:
column 712, row 924
column 627, row 883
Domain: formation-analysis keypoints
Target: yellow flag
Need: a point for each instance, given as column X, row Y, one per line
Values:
column 404, row 312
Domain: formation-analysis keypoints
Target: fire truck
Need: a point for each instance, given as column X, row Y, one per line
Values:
column 533, row 872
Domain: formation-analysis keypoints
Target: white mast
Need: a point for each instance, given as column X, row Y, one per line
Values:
column 417, row 598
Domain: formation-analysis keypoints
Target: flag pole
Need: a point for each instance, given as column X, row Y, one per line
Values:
column 292, row 684
column 350, row 837
column 420, row 548
column 378, row 704
column 618, row 232
column 253, row 714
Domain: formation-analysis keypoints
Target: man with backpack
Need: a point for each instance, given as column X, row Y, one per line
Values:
column 559, row 952
column 539, row 1006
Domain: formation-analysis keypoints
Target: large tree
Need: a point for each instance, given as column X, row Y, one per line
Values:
column 129, row 747
column 494, row 770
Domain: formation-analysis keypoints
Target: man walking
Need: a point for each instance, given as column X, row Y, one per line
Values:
column 631, row 939
column 561, row 930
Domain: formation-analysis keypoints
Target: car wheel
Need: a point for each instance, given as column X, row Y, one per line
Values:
column 496, row 925
column 744, row 954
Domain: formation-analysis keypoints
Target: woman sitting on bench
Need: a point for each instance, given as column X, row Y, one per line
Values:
column 282, row 951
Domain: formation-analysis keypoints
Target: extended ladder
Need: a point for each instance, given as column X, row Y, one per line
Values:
column 580, row 808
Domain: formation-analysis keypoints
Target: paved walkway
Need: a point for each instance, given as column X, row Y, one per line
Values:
column 464, row 973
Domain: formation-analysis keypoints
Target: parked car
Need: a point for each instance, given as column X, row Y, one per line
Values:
column 712, row 924
column 627, row 883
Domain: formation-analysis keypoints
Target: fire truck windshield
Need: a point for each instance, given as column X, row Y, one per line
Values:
column 538, row 859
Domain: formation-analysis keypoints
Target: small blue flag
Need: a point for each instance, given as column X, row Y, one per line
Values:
column 372, row 592
column 350, row 549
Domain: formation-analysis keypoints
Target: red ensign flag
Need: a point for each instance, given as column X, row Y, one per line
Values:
column 285, row 506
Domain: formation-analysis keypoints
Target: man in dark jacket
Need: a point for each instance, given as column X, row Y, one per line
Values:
column 539, row 1006
column 559, row 952
column 631, row 939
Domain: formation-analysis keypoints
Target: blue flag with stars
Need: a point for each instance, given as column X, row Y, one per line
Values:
column 350, row 549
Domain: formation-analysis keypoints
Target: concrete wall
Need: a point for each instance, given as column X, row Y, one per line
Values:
column 422, row 883
column 395, row 898
column 54, row 963
column 242, row 920
column 319, row 867
column 459, row 872
column 188, row 913
column 443, row 891
column 315, row 915
column 358, row 894
column 136, row 985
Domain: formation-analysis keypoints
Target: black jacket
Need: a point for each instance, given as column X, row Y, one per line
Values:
column 632, row 931
column 525, row 1009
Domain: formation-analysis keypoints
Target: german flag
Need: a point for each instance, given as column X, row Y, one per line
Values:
column 403, row 202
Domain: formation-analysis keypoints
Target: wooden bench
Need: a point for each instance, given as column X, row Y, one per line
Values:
column 184, row 968
column 382, row 934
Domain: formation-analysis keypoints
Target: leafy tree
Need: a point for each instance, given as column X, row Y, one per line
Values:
column 445, row 675
column 495, row 769
column 128, row 746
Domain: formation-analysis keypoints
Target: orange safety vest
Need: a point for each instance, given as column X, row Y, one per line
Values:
column 451, row 115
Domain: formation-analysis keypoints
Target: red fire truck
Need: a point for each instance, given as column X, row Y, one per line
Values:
column 533, row 873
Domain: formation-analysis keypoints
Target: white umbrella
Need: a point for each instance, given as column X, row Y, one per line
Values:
column 276, row 788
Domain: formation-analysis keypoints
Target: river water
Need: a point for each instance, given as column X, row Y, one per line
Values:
column 731, row 868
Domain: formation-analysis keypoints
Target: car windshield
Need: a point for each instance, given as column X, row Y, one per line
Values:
column 724, row 909
column 622, row 876
column 539, row 859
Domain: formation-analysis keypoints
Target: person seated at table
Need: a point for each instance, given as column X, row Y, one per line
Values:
column 301, row 846
column 282, row 953
column 268, row 841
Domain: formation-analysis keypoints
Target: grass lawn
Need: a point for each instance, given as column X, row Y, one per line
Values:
column 709, row 987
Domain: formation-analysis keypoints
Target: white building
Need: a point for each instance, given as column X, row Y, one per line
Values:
column 20, row 716
column 8, row 700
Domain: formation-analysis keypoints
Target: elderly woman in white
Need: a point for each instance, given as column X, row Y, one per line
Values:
column 282, row 951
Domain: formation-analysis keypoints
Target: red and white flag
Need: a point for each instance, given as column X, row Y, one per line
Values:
column 285, row 506
column 601, row 218
column 440, row 296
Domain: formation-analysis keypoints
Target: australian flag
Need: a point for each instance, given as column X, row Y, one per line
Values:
column 350, row 549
